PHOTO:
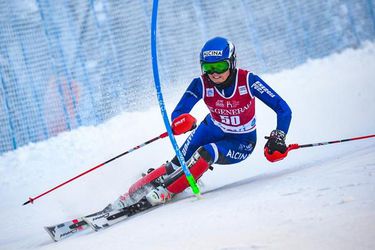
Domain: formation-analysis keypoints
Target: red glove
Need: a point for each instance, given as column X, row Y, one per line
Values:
column 275, row 148
column 183, row 124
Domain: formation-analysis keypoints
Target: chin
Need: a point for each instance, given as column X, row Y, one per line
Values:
column 217, row 81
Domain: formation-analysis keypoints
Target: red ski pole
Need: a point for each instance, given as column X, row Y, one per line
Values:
column 297, row 146
column 31, row 200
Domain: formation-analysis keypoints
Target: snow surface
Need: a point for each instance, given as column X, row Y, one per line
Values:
column 317, row 198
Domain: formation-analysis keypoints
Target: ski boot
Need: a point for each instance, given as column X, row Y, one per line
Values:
column 163, row 172
column 158, row 195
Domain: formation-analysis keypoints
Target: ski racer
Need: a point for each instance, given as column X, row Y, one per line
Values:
column 227, row 135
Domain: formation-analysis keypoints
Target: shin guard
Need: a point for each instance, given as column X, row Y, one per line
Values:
column 148, row 178
column 197, row 165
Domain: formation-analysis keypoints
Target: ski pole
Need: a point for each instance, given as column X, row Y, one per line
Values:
column 297, row 146
column 31, row 200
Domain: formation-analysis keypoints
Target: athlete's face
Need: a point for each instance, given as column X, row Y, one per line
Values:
column 219, row 78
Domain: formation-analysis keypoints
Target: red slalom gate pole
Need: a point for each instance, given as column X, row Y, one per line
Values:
column 297, row 146
column 32, row 199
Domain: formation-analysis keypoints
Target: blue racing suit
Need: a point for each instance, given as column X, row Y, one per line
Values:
column 226, row 147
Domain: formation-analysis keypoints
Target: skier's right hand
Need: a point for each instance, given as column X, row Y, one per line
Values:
column 183, row 124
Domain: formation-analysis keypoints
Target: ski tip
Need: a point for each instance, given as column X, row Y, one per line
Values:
column 50, row 233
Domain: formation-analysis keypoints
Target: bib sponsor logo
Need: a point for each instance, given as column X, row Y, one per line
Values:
column 225, row 111
column 210, row 92
column 242, row 90
column 220, row 103
column 233, row 104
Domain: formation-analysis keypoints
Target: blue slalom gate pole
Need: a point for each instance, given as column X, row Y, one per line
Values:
column 189, row 176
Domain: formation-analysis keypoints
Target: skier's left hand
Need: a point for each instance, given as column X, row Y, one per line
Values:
column 183, row 124
column 275, row 148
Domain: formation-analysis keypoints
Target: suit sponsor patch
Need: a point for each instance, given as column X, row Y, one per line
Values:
column 242, row 90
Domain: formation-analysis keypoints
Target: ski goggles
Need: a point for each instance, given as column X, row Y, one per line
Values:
column 215, row 67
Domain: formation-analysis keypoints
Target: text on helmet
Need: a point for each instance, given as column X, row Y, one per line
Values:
column 212, row 53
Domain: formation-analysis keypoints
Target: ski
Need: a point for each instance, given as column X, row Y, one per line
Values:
column 117, row 209
column 126, row 205
column 101, row 221
column 66, row 229
column 104, row 220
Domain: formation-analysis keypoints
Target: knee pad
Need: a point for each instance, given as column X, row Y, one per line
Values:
column 198, row 164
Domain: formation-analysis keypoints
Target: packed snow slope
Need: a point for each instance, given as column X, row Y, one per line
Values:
column 317, row 198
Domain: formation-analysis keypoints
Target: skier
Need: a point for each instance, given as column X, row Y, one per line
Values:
column 227, row 135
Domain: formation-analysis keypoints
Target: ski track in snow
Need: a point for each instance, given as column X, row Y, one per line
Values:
column 317, row 198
